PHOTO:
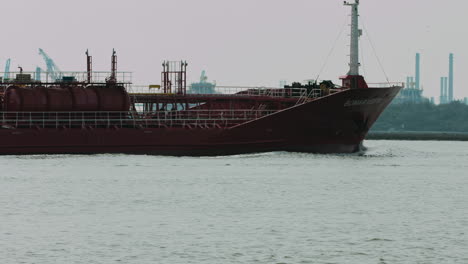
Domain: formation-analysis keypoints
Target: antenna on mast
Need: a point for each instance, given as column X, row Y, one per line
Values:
column 353, row 80
column 355, row 34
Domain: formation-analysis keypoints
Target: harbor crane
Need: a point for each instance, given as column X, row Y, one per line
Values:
column 52, row 69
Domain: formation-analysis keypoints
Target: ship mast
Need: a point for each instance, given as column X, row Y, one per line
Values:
column 355, row 34
column 353, row 79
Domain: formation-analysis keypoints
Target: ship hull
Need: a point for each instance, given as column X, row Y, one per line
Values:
column 337, row 123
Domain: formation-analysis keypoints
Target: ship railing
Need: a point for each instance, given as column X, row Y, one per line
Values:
column 386, row 85
column 314, row 94
column 144, row 89
column 259, row 91
column 226, row 90
column 61, row 77
column 185, row 118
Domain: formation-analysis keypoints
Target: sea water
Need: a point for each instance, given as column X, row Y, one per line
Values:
column 399, row 202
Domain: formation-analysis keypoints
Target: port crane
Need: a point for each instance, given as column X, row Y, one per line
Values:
column 52, row 69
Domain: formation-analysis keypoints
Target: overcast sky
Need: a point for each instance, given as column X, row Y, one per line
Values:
column 241, row 42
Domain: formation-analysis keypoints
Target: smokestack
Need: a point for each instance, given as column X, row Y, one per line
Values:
column 441, row 99
column 446, row 91
column 418, row 61
column 450, row 81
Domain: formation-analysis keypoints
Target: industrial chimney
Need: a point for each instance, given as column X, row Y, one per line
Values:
column 450, row 81
column 418, row 61
column 441, row 99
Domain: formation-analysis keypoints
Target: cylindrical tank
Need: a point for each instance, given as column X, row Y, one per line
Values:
column 42, row 98
column 13, row 99
column 25, row 99
column 112, row 98
column 84, row 99
column 60, row 99
column 66, row 99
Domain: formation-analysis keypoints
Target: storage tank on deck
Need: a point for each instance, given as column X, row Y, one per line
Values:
column 25, row 99
column 84, row 99
column 59, row 100
column 112, row 98
column 66, row 98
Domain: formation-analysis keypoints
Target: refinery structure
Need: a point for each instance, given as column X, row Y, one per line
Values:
column 446, row 85
column 413, row 91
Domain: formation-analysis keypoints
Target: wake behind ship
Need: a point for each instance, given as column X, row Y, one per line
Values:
column 97, row 112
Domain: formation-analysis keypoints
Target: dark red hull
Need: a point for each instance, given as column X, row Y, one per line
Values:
column 333, row 124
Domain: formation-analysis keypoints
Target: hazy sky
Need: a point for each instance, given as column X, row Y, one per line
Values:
column 242, row 42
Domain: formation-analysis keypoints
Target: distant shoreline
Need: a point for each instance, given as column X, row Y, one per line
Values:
column 418, row 135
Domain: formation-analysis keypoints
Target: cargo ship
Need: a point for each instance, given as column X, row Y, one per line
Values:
column 102, row 112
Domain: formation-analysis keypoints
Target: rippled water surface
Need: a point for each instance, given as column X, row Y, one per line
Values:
column 400, row 202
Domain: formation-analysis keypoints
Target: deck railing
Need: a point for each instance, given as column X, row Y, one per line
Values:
column 185, row 119
column 228, row 91
column 386, row 85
